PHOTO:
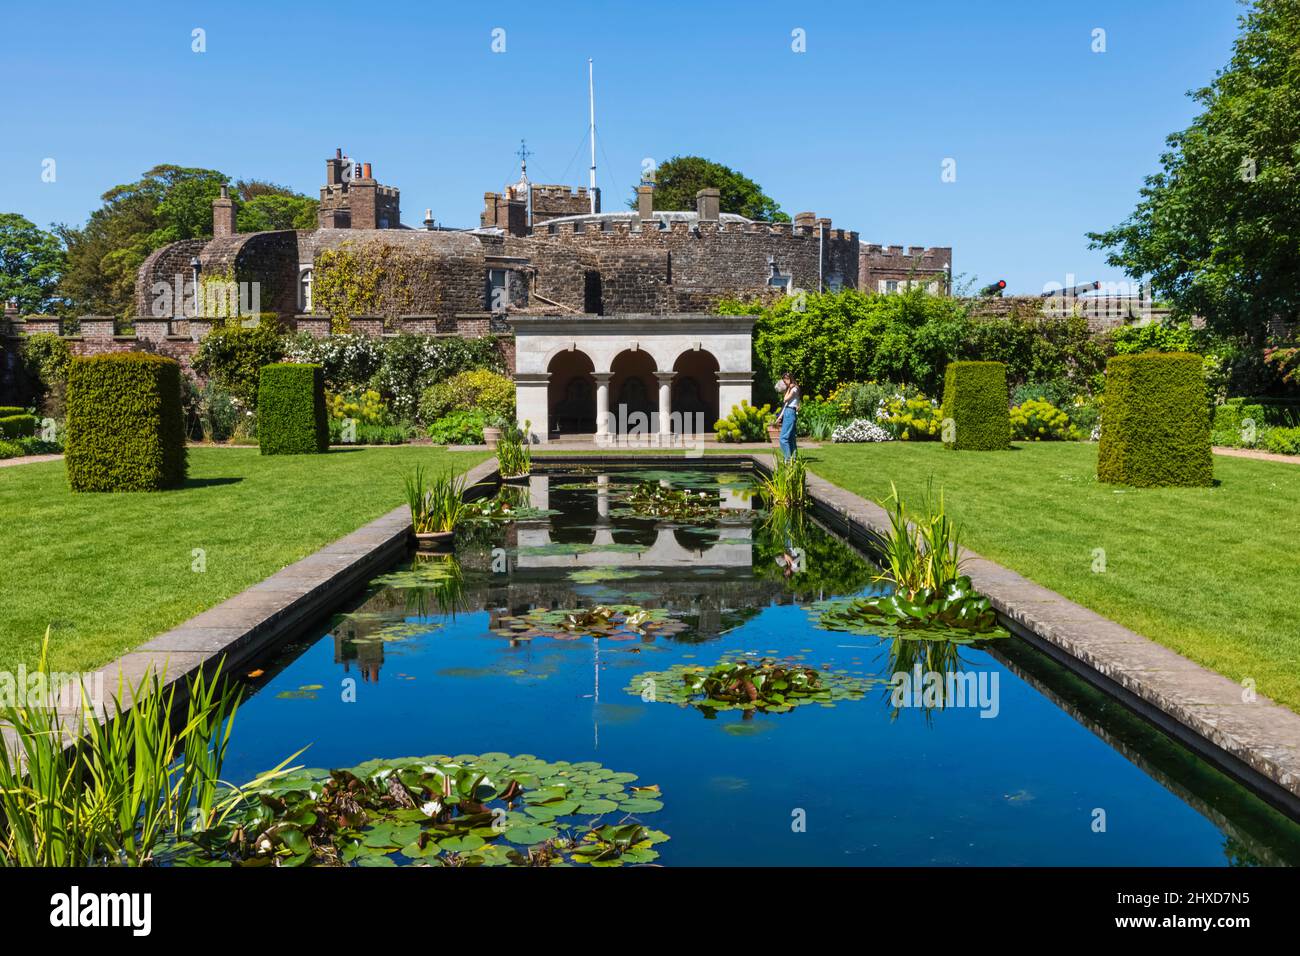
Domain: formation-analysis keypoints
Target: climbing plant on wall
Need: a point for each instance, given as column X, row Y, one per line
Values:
column 345, row 285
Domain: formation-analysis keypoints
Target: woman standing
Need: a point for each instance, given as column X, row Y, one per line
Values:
column 789, row 414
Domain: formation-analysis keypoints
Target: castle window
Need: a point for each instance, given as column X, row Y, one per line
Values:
column 304, row 291
column 779, row 279
column 498, row 290
column 891, row 285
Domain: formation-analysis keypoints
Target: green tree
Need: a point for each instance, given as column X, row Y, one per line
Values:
column 31, row 261
column 681, row 177
column 1216, row 228
column 168, row 204
column 261, row 206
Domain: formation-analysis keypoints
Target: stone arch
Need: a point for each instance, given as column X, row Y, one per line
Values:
column 633, row 390
column 695, row 389
column 571, row 393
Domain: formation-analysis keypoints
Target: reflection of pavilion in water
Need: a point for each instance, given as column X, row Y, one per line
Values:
column 701, row 573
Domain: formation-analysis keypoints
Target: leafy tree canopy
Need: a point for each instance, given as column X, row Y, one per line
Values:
column 262, row 206
column 31, row 261
column 168, row 204
column 1216, row 229
column 681, row 177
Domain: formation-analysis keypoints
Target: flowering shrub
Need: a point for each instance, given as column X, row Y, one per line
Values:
column 349, row 361
column 817, row 418
column 860, row 429
column 746, row 423
column 232, row 356
column 398, row 367
column 365, row 408
column 479, row 388
column 911, row 419
column 1038, row 420
column 412, row 363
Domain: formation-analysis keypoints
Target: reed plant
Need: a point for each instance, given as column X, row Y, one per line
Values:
column 438, row 503
column 920, row 551
column 514, row 458
column 786, row 488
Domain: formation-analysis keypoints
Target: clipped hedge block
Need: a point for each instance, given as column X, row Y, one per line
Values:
column 976, row 415
column 1155, row 429
column 18, row 425
column 126, row 426
column 291, row 415
column 8, row 411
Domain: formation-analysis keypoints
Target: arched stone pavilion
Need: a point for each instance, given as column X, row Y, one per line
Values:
column 663, row 376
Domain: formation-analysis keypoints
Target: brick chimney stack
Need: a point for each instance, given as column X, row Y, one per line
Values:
column 334, row 169
column 804, row 223
column 223, row 214
column 707, row 202
column 363, row 200
column 645, row 201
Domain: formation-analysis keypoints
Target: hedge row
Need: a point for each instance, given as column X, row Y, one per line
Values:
column 291, row 415
column 976, row 415
column 126, row 428
column 1155, row 429
column 17, row 425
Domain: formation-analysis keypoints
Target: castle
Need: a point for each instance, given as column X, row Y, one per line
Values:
column 537, row 249
column 606, row 317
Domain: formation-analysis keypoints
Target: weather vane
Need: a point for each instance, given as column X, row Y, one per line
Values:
column 523, row 154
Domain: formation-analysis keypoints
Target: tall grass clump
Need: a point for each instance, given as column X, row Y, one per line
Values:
column 921, row 550
column 437, row 504
column 514, row 459
column 115, row 791
column 787, row 487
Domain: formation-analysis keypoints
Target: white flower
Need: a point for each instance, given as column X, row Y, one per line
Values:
column 860, row 430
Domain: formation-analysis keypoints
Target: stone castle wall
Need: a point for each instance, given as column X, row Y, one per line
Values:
column 646, row 269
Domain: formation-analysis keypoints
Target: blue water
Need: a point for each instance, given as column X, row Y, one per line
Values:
column 872, row 784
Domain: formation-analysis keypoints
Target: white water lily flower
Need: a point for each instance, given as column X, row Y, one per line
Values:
column 432, row 808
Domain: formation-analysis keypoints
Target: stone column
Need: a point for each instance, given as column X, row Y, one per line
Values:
column 532, row 403
column 733, row 388
column 602, row 405
column 665, row 402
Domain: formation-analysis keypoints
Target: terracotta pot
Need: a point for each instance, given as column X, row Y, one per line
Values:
column 491, row 436
column 436, row 540
column 774, row 433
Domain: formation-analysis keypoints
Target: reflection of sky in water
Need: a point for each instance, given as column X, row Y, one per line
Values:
column 878, row 785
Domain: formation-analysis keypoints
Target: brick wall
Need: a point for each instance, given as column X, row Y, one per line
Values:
column 878, row 264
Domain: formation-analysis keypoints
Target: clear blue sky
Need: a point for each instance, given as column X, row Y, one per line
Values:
column 1050, row 139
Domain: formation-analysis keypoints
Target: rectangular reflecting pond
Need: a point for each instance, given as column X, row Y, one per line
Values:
column 567, row 637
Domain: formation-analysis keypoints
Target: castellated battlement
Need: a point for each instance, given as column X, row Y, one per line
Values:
column 592, row 228
column 937, row 254
column 551, row 201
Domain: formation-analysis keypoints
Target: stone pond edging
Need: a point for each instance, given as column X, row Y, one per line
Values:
column 1257, row 742
column 242, row 628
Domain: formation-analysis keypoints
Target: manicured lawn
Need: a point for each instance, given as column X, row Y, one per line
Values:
column 110, row 571
column 1213, row 573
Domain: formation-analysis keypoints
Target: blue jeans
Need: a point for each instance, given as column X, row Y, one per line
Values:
column 787, row 432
